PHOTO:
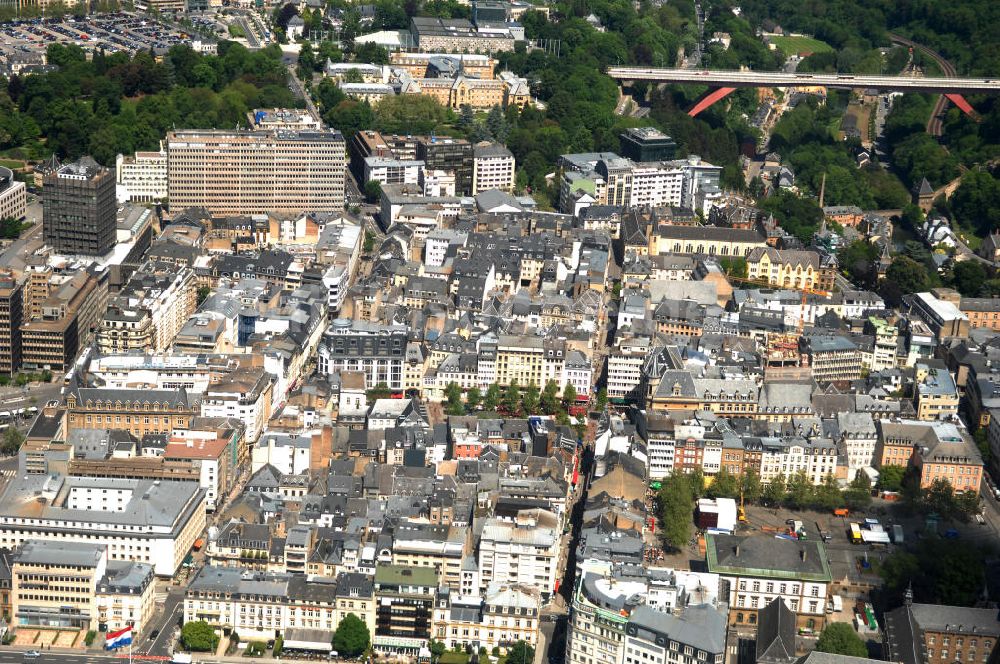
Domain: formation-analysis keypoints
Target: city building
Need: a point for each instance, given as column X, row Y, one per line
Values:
column 54, row 584
column 256, row 172
column 263, row 605
column 492, row 168
column 13, row 196
column 523, row 552
column 376, row 350
column 138, row 411
column 79, row 209
column 448, row 154
column 11, row 317
column 458, row 35
column 755, row 570
column 935, row 633
column 405, row 608
column 789, row 269
column 139, row 520
column 141, row 178
column 245, row 395
column 646, row 144
column 69, row 308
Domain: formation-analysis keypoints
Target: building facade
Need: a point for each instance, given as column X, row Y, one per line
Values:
column 256, row 172
column 79, row 209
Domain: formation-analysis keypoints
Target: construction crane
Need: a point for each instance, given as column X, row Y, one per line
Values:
column 802, row 289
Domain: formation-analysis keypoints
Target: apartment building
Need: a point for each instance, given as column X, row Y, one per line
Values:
column 142, row 177
column 939, row 634
column 625, row 363
column 981, row 311
column 262, row 605
column 787, row 457
column 832, row 358
column 405, row 608
column 789, row 269
column 137, row 411
column 245, row 395
column 755, row 570
column 139, row 520
column 501, row 617
column 440, row 547
column 886, row 344
column 126, row 597
column 256, row 172
column 378, row 351
column 294, row 119
column 79, row 209
column 936, row 395
column 492, row 168
column 68, row 314
column 11, row 317
column 13, row 196
column 54, row 584
column 529, row 360
column 618, row 614
column 522, row 552
column 940, row 450
column 150, row 310
column 217, row 450
column 857, row 438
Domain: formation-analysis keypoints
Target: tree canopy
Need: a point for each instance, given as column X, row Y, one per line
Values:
column 841, row 639
column 199, row 636
column 352, row 636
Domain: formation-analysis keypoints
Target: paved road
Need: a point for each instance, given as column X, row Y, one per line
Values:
column 166, row 623
column 768, row 79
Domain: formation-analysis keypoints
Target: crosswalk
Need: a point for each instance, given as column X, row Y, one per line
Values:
column 8, row 473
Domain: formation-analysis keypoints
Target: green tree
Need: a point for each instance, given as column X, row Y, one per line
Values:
column 491, row 400
column 521, row 653
column 550, row 398
column 373, row 191
column 858, row 495
column 410, row 114
column 511, row 398
column 472, row 399
column 735, row 267
column 198, row 636
column 841, row 639
column 437, row 649
column 676, row 501
column 380, row 391
column 453, row 394
column 12, row 439
column 569, row 395
column 890, row 478
column 602, row 399
column 976, row 202
column 753, row 490
column 497, row 125
column 203, row 293
column 904, row 276
column 724, row 485
column 352, row 637
column 968, row 277
column 775, row 492
column 858, row 261
column 982, row 443
column 530, row 399
column 799, row 491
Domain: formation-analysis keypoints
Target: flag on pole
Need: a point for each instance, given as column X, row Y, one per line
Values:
column 122, row 637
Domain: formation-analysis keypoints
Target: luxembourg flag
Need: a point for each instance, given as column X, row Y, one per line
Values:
column 122, row 637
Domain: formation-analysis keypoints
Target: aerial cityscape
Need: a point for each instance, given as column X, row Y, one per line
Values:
column 500, row 331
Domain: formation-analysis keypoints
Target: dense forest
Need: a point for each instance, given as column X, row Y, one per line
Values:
column 116, row 104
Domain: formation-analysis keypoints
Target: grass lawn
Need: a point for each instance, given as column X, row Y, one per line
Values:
column 795, row 45
column 452, row 657
column 11, row 163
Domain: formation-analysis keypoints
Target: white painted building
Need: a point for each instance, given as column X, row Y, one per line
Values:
column 492, row 168
column 141, row 178
column 519, row 553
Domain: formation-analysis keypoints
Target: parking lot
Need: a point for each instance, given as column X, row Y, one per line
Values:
column 119, row 32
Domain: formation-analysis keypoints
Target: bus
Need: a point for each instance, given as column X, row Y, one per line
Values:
column 855, row 534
